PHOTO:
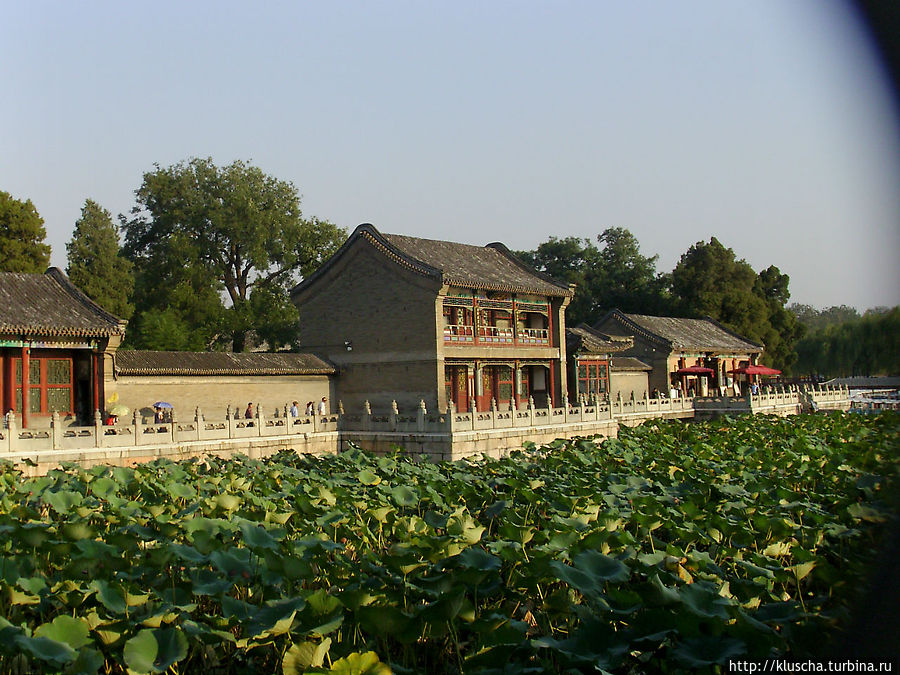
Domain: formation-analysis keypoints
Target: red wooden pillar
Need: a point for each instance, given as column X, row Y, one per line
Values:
column 95, row 384
column 551, row 392
column 26, row 377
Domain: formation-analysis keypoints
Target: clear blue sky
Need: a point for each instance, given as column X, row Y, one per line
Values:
column 767, row 124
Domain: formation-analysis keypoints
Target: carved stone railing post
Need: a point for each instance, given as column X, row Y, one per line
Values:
column 173, row 426
column 420, row 416
column 531, row 411
column 199, row 424
column 137, row 427
column 13, row 432
column 473, row 412
column 367, row 416
column 260, row 420
column 395, row 413
column 55, row 431
column 98, row 428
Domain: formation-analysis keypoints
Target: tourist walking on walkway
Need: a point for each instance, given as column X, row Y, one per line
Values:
column 323, row 407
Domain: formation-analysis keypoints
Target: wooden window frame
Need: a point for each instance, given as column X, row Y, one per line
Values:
column 42, row 385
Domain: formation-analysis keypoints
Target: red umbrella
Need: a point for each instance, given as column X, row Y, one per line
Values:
column 694, row 370
column 756, row 370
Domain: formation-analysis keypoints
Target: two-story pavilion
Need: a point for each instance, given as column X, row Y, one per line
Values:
column 407, row 319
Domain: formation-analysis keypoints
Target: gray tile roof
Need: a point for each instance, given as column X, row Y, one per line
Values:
column 627, row 363
column 50, row 305
column 135, row 362
column 585, row 340
column 702, row 335
column 490, row 267
column 866, row 382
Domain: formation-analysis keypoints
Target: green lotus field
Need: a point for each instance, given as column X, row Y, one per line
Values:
column 673, row 548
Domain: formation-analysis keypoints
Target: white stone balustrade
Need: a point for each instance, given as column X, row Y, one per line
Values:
column 199, row 427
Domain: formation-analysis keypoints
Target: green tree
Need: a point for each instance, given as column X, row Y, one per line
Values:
column 574, row 261
column 627, row 280
column 709, row 280
column 22, row 234
column 220, row 247
column 857, row 345
column 815, row 319
column 781, row 341
column 95, row 263
column 615, row 275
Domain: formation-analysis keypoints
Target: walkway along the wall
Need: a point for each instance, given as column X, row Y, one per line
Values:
column 439, row 436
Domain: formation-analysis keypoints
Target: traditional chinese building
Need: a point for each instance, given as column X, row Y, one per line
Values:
column 55, row 345
column 590, row 359
column 407, row 319
column 695, row 355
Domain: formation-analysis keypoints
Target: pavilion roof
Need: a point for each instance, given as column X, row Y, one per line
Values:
column 583, row 339
column 137, row 362
column 701, row 335
column 49, row 305
column 491, row 268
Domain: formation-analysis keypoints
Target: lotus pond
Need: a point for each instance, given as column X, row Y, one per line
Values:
column 675, row 547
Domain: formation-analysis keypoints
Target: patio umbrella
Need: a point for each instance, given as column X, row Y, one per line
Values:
column 162, row 404
column 755, row 370
column 118, row 410
column 694, row 370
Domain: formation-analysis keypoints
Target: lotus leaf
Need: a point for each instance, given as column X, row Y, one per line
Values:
column 366, row 663
column 303, row 655
column 155, row 650
column 53, row 652
column 70, row 630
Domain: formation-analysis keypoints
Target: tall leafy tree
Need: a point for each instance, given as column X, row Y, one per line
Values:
column 613, row 275
column 217, row 248
column 574, row 261
column 626, row 279
column 95, row 263
column 856, row 345
column 785, row 330
column 815, row 319
column 709, row 280
column 22, row 234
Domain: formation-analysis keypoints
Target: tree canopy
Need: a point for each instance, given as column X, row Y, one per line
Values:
column 22, row 234
column 709, row 280
column 96, row 266
column 840, row 342
column 572, row 260
column 615, row 275
column 216, row 250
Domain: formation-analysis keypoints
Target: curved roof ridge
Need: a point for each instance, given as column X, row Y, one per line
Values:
column 63, row 280
column 504, row 249
column 49, row 304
